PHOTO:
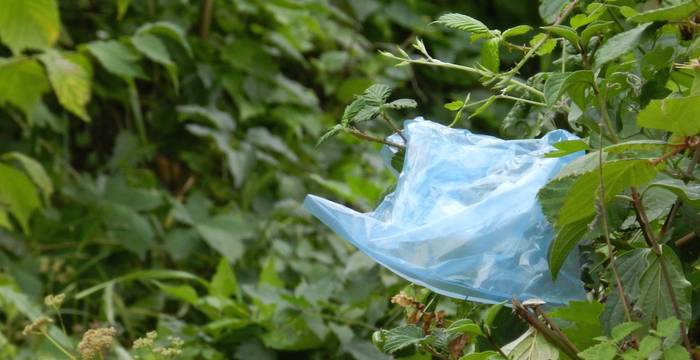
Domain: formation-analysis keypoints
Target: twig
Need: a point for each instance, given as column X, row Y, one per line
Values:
column 369, row 137
column 556, row 329
column 205, row 23
column 393, row 126
column 543, row 329
column 683, row 241
column 672, row 213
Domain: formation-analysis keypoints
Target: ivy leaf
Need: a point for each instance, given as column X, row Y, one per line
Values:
column 23, row 82
column 619, row 45
column 117, row 58
column 490, row 57
column 681, row 11
column 401, row 337
column 677, row 115
column 29, row 24
column 690, row 193
column 617, row 176
column 463, row 22
column 70, row 82
column 18, row 196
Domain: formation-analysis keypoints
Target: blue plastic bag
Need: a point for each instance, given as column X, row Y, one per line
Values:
column 464, row 220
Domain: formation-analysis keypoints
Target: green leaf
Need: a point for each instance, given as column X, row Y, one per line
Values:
column 224, row 282
column 564, row 31
column 143, row 275
column 566, row 239
column 153, row 48
column 630, row 265
column 117, row 58
column 128, row 227
column 490, row 57
column 377, row 94
column 593, row 12
column 463, row 22
column 516, row 31
column 584, row 318
column 653, row 289
column 676, row 12
column 401, row 337
column 455, row 105
column 637, row 145
column 689, row 193
column 489, row 315
column 486, row 355
column 552, row 87
column 531, row 346
column 621, row 331
column 29, row 24
column 23, row 82
column 617, row 176
column 676, row 352
column 667, row 327
column 168, row 30
column 70, row 82
column 35, row 171
column 550, row 9
column 603, row 351
column 465, row 326
column 402, row 104
column 576, row 85
column 548, row 44
column 225, row 233
column 619, row 45
column 182, row 292
column 567, row 147
column 18, row 195
column 594, row 28
column 268, row 274
column 649, row 345
column 677, row 115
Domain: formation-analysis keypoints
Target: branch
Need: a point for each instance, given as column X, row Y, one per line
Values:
column 543, row 329
column 205, row 22
column 369, row 137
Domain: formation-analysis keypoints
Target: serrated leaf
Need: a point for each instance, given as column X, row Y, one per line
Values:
column 376, row 94
column 547, row 44
column 329, row 134
column 631, row 265
column 516, row 31
column 463, row 22
column 490, row 57
column 603, row 351
column 465, row 326
column 31, row 24
column 401, row 337
column 621, row 331
column 653, row 289
column 617, row 176
column 619, row 45
column 402, row 104
column 677, row 115
column 225, row 234
column 584, row 318
column 567, row 147
column 70, row 82
column 552, row 87
column 565, row 32
column 689, row 193
column 681, row 11
column 668, row 327
column 637, row 145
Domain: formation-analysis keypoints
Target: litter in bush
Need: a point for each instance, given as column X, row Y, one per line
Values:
column 464, row 220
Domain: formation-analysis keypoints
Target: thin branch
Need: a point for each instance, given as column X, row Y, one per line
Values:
column 543, row 329
column 683, row 241
column 369, row 137
column 556, row 329
column 393, row 126
column 205, row 22
column 672, row 214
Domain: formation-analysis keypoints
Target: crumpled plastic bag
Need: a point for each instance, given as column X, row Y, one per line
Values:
column 464, row 220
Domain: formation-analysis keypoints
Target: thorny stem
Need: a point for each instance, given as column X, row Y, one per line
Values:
column 393, row 126
column 57, row 345
column 548, row 333
column 678, row 203
column 471, row 70
column 369, row 137
column 564, row 14
column 606, row 235
column 556, row 329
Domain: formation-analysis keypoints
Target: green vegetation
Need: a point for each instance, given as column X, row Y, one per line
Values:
column 154, row 155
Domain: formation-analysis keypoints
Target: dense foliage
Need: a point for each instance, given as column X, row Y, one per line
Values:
column 154, row 155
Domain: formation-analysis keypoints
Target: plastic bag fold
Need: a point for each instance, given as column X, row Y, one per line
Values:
column 464, row 220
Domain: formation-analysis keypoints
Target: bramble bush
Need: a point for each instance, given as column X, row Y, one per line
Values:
column 154, row 155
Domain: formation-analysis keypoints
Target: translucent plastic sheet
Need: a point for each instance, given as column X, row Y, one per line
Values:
column 464, row 220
